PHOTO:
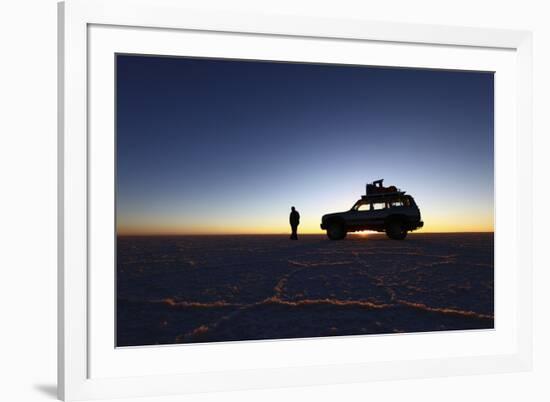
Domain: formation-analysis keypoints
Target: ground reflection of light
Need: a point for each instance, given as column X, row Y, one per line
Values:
column 364, row 233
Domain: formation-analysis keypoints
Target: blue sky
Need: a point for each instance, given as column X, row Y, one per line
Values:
column 226, row 146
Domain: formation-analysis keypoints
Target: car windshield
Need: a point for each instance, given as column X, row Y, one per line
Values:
column 357, row 205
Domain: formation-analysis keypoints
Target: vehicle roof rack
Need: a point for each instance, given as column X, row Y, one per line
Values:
column 382, row 195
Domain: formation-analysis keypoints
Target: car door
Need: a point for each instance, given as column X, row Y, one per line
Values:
column 368, row 214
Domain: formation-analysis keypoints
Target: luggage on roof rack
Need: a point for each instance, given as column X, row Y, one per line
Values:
column 377, row 187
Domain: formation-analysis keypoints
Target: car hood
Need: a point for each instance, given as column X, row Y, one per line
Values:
column 334, row 214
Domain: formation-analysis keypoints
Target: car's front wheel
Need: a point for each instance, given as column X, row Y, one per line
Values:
column 395, row 231
column 336, row 231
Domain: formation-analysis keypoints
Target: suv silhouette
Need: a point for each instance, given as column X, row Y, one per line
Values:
column 382, row 209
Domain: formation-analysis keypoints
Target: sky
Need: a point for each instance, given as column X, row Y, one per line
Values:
column 218, row 146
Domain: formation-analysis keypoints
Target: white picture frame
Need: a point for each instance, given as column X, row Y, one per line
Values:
column 89, row 368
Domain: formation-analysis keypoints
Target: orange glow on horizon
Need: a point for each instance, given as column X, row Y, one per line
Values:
column 280, row 230
column 457, row 222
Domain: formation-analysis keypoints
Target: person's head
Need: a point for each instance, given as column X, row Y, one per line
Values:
column 292, row 208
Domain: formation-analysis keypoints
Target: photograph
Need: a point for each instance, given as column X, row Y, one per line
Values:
column 269, row 200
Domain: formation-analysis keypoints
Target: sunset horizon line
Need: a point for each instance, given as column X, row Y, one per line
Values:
column 286, row 234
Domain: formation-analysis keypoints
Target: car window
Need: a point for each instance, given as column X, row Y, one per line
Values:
column 364, row 207
column 379, row 205
column 395, row 204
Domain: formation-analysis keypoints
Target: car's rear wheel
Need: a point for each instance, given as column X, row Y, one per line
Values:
column 336, row 231
column 395, row 230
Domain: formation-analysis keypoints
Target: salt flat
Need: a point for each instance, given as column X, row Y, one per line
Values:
column 183, row 289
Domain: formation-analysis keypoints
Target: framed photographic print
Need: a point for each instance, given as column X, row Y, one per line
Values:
column 256, row 201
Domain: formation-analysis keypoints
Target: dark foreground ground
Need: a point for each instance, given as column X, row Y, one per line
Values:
column 226, row 288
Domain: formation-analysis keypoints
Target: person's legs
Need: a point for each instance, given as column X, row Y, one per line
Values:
column 294, row 235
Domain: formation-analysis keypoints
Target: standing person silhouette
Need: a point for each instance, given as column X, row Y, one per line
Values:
column 294, row 222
